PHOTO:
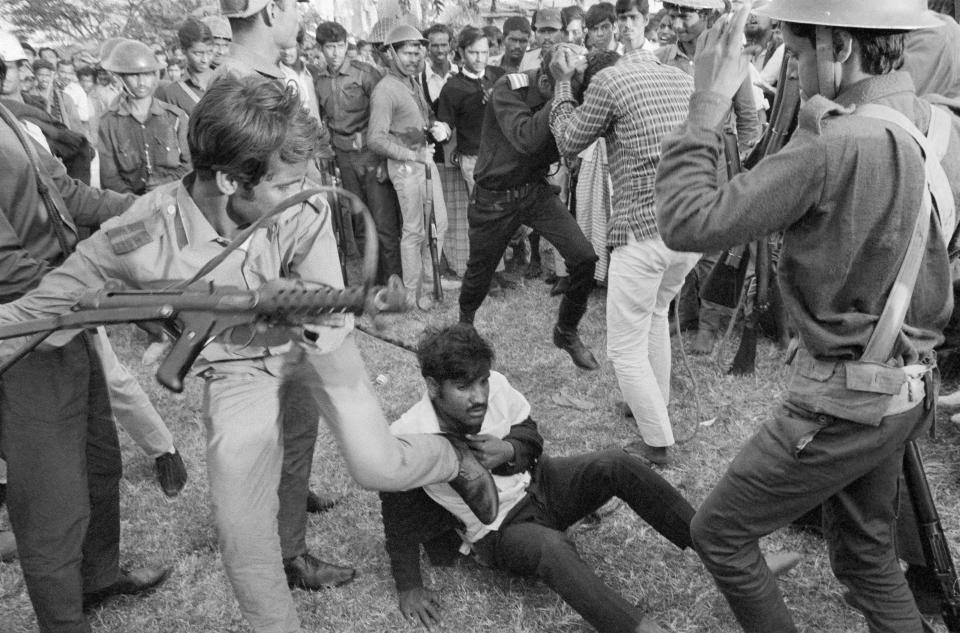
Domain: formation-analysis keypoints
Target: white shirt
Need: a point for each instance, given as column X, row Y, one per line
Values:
column 506, row 407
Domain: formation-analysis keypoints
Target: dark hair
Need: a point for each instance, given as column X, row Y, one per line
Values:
column 40, row 64
column 328, row 32
column 27, row 47
column 240, row 123
column 86, row 71
column 47, row 48
column 469, row 36
column 454, row 352
column 600, row 12
column 596, row 61
column 881, row 50
column 570, row 13
column 3, row 70
column 193, row 31
column 516, row 23
column 438, row 28
column 493, row 34
column 642, row 6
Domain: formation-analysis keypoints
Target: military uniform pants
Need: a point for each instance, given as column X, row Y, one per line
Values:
column 532, row 541
column 495, row 216
column 246, row 419
column 60, row 442
column 358, row 170
column 793, row 463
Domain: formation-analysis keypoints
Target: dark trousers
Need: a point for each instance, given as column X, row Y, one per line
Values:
column 63, row 471
column 494, row 217
column 565, row 489
column 358, row 170
column 795, row 462
column 300, row 420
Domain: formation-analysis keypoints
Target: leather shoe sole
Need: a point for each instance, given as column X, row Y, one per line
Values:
column 475, row 484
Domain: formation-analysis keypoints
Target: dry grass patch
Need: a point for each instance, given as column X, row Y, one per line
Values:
column 633, row 559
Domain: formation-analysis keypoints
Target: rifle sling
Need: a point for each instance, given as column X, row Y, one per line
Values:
column 44, row 184
column 936, row 191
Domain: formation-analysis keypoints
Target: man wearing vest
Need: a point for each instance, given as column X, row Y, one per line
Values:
column 849, row 191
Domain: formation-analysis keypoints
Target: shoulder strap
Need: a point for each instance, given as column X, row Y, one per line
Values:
column 937, row 190
column 190, row 91
column 44, row 183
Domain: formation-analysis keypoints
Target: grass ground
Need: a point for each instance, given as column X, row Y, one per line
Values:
column 644, row 567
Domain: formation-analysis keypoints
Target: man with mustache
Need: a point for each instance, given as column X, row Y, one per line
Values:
column 143, row 141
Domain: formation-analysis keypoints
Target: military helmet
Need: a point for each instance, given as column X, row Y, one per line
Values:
column 219, row 26
column 699, row 5
column 862, row 14
column 130, row 57
column 10, row 48
column 404, row 33
column 378, row 34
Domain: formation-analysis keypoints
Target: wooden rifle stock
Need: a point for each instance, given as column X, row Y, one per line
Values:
column 783, row 121
column 936, row 551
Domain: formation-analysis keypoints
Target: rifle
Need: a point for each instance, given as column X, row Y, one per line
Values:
column 331, row 177
column 429, row 212
column 783, row 121
column 205, row 311
column 936, row 551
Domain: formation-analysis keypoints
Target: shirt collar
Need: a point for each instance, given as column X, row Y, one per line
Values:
column 123, row 107
column 430, row 72
column 471, row 75
column 196, row 227
column 876, row 88
column 243, row 56
column 640, row 53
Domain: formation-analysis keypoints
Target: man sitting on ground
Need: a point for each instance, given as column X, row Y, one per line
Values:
column 540, row 496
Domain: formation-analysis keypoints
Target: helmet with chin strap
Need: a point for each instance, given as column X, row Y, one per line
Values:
column 904, row 15
column 826, row 15
column 130, row 57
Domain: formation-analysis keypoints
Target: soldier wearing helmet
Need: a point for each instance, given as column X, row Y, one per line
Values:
column 847, row 191
column 222, row 37
column 142, row 140
column 400, row 119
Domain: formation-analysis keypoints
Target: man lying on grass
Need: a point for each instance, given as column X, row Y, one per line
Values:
column 540, row 496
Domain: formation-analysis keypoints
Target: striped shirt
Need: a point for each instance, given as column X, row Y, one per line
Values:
column 634, row 105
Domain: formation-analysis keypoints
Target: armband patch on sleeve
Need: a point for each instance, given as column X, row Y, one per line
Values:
column 518, row 80
column 128, row 237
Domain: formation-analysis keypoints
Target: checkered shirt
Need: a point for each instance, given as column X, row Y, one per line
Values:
column 634, row 105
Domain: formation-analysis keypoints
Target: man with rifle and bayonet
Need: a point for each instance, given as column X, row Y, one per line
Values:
column 252, row 143
column 865, row 193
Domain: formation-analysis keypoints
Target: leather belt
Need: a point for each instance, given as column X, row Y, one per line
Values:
column 511, row 194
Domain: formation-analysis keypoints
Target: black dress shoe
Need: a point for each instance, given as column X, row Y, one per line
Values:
column 171, row 473
column 475, row 484
column 569, row 341
column 561, row 287
column 309, row 572
column 320, row 502
column 130, row 583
